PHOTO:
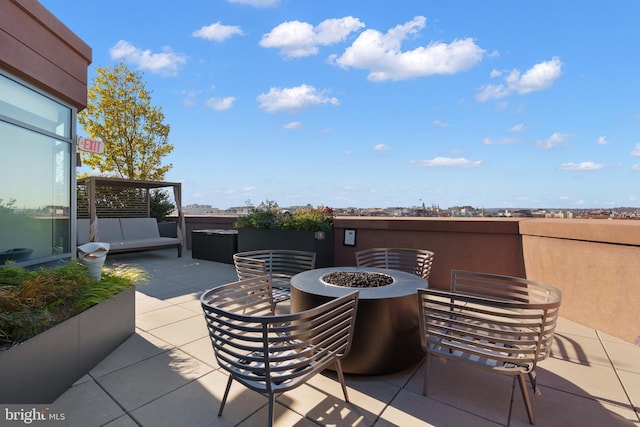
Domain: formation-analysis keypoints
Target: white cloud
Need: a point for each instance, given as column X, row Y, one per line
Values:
column 220, row 104
column 501, row 141
column 440, row 123
column 217, row 32
column 166, row 63
column 292, row 125
column 293, row 99
column 381, row 147
column 553, row 141
column 583, row 166
column 636, row 167
column 636, row 151
column 382, row 54
column 538, row 77
column 297, row 39
column 459, row 162
column 257, row 3
column 603, row 140
column 517, row 128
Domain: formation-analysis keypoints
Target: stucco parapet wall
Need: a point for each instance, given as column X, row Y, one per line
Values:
column 620, row 232
column 449, row 225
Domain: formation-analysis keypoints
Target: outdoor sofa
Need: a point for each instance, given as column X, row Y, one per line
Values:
column 128, row 234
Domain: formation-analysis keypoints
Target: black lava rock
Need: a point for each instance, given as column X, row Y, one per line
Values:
column 357, row 279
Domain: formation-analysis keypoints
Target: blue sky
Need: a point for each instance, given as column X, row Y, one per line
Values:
column 377, row 104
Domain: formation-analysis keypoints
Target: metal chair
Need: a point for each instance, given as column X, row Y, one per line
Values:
column 270, row 353
column 416, row 261
column 279, row 264
column 498, row 323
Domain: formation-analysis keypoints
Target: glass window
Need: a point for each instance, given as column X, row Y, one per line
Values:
column 28, row 106
column 35, row 172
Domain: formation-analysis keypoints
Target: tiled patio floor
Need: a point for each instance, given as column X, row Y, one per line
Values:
column 166, row 375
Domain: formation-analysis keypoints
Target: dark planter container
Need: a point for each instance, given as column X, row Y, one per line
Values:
column 42, row 368
column 252, row 239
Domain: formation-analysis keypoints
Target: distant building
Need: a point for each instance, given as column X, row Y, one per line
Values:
column 196, row 209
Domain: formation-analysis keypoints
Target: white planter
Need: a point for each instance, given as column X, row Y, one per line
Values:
column 92, row 255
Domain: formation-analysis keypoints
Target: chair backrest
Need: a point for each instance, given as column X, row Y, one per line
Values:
column 250, row 297
column 269, row 353
column 496, row 334
column 416, row 261
column 279, row 263
column 507, row 288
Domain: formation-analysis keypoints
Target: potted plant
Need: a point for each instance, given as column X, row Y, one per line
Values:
column 269, row 227
column 56, row 324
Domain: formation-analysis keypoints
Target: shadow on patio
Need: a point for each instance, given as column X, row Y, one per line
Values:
column 165, row 375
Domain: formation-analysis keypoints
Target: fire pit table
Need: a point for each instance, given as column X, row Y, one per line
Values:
column 386, row 336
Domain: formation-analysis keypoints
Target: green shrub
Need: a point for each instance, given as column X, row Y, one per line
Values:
column 271, row 217
column 34, row 301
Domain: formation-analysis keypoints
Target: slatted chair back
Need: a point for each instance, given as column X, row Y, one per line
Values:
column 415, row 261
column 507, row 333
column 496, row 286
column 279, row 264
column 272, row 354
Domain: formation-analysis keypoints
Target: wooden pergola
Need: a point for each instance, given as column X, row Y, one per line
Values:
column 92, row 183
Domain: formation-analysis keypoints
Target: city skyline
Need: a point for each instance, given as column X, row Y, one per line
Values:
column 345, row 104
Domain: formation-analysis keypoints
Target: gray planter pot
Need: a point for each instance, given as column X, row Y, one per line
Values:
column 45, row 366
column 252, row 239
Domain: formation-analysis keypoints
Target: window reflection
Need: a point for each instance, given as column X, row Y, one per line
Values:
column 20, row 103
column 35, row 172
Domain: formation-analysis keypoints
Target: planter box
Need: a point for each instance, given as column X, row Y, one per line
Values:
column 45, row 366
column 252, row 239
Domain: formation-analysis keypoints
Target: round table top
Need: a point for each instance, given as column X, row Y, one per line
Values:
column 403, row 283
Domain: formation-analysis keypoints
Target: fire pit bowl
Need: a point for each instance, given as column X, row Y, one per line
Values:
column 386, row 336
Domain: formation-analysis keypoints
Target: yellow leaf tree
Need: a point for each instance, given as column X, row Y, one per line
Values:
column 135, row 137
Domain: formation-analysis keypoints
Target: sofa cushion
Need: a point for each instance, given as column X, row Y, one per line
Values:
column 139, row 228
column 82, row 231
column 159, row 242
column 109, row 230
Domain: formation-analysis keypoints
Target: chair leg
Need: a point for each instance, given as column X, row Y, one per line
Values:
column 513, row 386
column 272, row 403
column 341, row 378
column 427, row 369
column 226, row 394
column 525, row 396
column 534, row 383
